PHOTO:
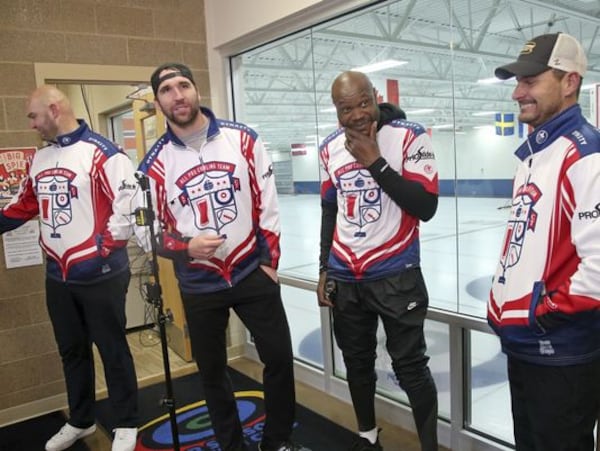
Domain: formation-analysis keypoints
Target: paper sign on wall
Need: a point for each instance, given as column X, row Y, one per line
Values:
column 21, row 246
column 13, row 169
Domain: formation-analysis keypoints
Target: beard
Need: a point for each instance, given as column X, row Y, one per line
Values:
column 185, row 120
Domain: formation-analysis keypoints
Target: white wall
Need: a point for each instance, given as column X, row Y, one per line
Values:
column 478, row 154
column 306, row 167
column 238, row 18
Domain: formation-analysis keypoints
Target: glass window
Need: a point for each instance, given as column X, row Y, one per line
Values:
column 440, row 57
column 303, row 313
column 436, row 60
column 122, row 131
column 488, row 386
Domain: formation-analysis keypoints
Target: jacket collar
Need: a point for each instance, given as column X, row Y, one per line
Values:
column 544, row 135
column 76, row 135
column 213, row 128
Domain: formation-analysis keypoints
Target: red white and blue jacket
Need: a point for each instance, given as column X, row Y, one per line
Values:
column 83, row 188
column 545, row 298
column 374, row 238
column 226, row 188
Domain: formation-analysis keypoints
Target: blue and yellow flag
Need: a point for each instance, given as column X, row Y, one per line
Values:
column 505, row 124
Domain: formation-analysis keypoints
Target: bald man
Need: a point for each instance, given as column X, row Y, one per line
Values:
column 82, row 188
column 379, row 182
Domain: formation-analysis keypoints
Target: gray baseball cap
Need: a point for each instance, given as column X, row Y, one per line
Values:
column 548, row 51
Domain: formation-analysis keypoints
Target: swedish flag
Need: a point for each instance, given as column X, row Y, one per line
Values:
column 505, row 124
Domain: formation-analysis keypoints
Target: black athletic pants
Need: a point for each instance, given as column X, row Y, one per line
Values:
column 86, row 314
column 554, row 407
column 257, row 302
column 401, row 302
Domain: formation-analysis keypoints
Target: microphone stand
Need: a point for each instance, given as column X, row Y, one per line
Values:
column 144, row 216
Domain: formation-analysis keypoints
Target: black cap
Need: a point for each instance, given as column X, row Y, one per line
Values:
column 548, row 51
column 177, row 69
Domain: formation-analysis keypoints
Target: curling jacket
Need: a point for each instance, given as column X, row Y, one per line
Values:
column 545, row 298
column 227, row 188
column 82, row 187
column 370, row 216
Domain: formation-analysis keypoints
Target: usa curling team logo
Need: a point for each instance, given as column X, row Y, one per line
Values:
column 523, row 218
column 194, row 427
column 362, row 196
column 55, row 190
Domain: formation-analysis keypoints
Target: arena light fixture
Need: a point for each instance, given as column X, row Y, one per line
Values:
column 420, row 111
column 381, row 65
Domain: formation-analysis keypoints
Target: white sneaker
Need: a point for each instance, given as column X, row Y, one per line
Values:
column 67, row 436
column 125, row 439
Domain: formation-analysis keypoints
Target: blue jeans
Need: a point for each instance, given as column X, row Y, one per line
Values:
column 401, row 302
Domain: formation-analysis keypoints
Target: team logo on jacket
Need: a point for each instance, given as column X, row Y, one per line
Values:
column 210, row 192
column 54, row 192
column 541, row 137
column 362, row 196
column 523, row 218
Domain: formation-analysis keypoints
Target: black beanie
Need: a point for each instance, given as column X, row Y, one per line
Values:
column 178, row 70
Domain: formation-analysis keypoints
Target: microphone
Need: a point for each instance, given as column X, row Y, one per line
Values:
column 144, row 216
column 142, row 180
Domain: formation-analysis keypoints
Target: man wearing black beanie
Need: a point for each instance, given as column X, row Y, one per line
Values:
column 216, row 202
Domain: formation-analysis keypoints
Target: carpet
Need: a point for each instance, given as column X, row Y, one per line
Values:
column 32, row 435
column 195, row 433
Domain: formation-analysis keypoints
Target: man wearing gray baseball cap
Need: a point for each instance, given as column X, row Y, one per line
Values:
column 545, row 298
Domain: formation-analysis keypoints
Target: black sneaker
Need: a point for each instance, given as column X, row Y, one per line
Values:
column 285, row 446
column 362, row 444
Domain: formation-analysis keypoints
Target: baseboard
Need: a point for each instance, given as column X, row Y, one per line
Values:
column 32, row 409
column 59, row 402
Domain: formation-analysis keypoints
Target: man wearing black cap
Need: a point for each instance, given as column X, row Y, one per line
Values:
column 216, row 202
column 545, row 298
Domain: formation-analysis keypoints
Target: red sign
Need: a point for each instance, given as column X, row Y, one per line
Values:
column 298, row 149
column 14, row 163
